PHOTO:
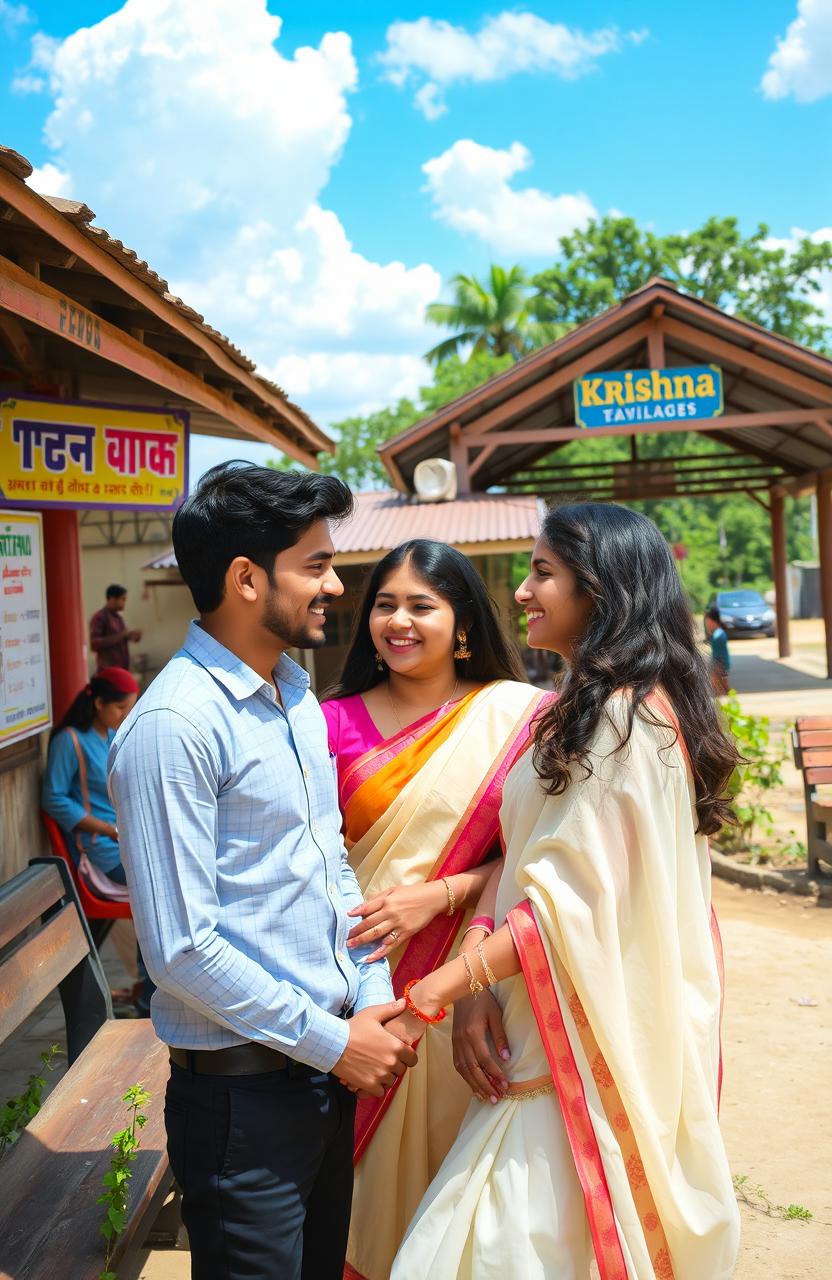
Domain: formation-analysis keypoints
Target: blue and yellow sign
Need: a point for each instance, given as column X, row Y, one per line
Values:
column 72, row 453
column 648, row 396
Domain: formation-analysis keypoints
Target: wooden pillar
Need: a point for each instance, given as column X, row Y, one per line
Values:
column 780, row 571
column 459, row 457
column 65, row 606
column 824, row 491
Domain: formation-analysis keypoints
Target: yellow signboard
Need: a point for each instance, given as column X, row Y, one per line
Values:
column 71, row 453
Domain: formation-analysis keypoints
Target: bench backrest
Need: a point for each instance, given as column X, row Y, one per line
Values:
column 812, row 741
column 45, row 943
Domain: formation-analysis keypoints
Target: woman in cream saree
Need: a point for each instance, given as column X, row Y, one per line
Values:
column 604, row 1158
column 420, row 793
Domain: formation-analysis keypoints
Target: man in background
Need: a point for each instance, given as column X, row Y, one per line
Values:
column 109, row 637
column 720, row 657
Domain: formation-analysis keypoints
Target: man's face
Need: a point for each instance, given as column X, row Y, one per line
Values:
column 117, row 603
column 303, row 585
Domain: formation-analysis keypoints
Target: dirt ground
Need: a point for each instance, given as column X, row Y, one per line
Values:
column 776, row 1112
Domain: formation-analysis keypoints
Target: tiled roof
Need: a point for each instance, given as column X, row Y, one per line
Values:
column 383, row 520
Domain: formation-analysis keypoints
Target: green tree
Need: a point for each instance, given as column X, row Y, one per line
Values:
column 489, row 317
column 746, row 275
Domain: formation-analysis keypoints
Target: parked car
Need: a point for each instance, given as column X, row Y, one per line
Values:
column 744, row 612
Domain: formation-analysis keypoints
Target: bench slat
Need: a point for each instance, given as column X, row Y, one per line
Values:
column 25, row 898
column 818, row 777
column 814, row 738
column 35, row 968
column 813, row 722
column 48, row 1215
column 816, row 757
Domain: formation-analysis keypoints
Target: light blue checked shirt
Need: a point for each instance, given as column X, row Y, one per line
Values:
column 231, row 838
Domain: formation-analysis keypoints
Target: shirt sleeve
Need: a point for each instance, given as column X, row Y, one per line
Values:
column 58, row 780
column 100, row 636
column 374, row 984
column 165, row 779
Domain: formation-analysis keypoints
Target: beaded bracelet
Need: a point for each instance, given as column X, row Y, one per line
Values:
column 451, row 896
column 419, row 1013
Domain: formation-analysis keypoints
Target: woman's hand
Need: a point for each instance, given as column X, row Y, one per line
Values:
column 402, row 910
column 480, row 1045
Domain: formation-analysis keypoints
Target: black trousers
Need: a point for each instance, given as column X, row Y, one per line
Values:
column 264, row 1163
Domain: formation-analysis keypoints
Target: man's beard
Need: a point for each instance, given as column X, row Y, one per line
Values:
column 288, row 630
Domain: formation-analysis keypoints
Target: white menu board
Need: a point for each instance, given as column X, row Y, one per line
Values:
column 25, row 706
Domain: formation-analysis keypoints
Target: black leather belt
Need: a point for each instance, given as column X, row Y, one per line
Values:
column 236, row 1060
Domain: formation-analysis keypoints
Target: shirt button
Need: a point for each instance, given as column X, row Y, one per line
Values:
column 332, row 891
column 340, row 957
column 314, row 828
column 305, row 772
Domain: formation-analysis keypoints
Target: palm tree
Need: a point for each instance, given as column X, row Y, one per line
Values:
column 490, row 316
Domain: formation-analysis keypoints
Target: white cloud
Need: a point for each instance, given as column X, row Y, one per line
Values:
column 801, row 64
column 13, row 16
column 204, row 147
column 472, row 192
column 49, row 180
column 437, row 54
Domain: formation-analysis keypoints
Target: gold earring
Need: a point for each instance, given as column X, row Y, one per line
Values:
column 462, row 653
column 379, row 662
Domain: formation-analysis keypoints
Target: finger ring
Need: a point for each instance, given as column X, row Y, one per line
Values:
column 394, row 934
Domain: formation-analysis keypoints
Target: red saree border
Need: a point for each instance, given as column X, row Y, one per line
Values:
column 570, row 1090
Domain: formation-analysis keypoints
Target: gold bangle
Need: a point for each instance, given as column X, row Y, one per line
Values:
column 477, row 928
column 451, row 896
column 489, row 976
column 474, row 983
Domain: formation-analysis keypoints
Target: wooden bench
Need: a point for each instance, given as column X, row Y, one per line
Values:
column 52, row 1176
column 812, row 742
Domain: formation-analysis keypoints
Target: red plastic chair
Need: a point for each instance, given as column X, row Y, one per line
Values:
column 93, row 907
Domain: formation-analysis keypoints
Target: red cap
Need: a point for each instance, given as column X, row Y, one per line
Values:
column 119, row 678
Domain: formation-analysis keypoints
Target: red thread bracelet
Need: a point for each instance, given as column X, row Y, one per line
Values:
column 423, row 1017
column 482, row 922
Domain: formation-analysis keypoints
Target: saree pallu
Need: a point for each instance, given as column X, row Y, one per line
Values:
column 419, row 806
column 618, row 1004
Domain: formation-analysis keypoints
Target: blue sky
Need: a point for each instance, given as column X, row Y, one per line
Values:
column 286, row 196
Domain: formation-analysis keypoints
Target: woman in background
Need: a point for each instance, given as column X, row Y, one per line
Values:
column 606, row 1145
column 430, row 713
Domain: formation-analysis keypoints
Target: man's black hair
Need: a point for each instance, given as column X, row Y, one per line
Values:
column 115, row 590
column 713, row 614
column 240, row 509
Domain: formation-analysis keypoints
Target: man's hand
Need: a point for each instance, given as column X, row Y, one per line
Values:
column 134, row 635
column 373, row 1058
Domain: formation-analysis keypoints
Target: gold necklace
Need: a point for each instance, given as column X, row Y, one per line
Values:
column 439, row 708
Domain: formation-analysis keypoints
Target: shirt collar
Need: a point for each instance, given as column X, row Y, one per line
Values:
column 234, row 674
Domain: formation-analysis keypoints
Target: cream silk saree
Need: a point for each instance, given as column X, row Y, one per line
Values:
column 606, row 1158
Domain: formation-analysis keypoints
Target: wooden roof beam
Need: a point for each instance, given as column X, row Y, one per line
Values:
column 39, row 304
column 42, row 215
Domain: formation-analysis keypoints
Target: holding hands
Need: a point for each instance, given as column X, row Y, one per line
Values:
column 375, row 1056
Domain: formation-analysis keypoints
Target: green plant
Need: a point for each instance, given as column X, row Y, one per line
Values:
column 117, row 1179
column 758, row 773
column 18, row 1111
column 757, row 1198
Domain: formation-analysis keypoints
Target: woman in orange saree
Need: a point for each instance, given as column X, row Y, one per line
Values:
column 603, row 1156
column 430, row 714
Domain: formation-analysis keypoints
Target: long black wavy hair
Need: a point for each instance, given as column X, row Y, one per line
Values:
column 452, row 576
column 81, row 711
column 639, row 637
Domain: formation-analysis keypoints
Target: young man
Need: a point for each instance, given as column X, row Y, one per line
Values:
column 231, row 838
column 720, row 657
column 109, row 637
